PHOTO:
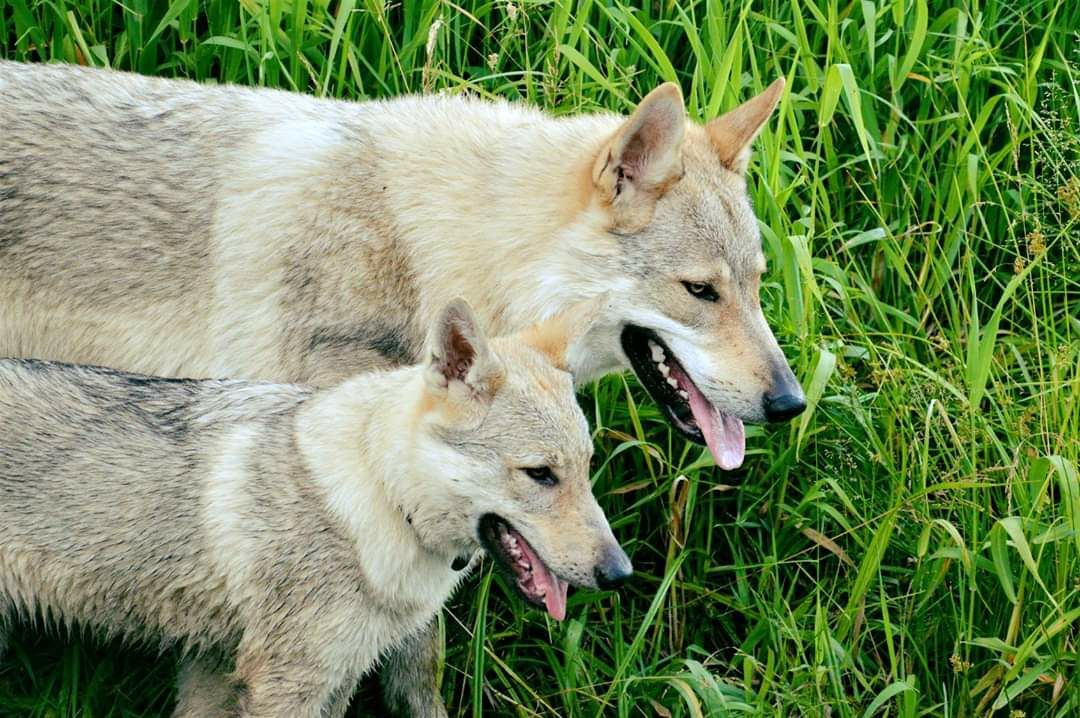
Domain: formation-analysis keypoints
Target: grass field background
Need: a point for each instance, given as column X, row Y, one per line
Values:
column 911, row 545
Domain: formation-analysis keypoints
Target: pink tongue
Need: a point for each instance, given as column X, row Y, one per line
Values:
column 554, row 588
column 555, row 598
column 724, row 434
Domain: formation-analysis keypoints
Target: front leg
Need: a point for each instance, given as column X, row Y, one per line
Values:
column 293, row 690
column 408, row 676
column 204, row 688
column 286, row 677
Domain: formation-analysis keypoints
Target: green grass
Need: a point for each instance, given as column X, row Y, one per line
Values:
column 911, row 545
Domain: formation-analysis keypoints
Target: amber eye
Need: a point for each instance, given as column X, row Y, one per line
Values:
column 702, row 290
column 541, row 475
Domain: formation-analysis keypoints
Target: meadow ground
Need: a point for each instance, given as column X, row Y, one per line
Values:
column 911, row 545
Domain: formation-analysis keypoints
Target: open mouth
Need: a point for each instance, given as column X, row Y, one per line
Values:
column 513, row 554
column 670, row 386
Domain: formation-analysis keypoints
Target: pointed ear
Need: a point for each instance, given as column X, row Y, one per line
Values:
column 554, row 337
column 459, row 354
column 643, row 157
column 733, row 132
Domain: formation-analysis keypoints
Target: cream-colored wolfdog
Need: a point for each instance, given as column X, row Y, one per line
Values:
column 295, row 534
column 177, row 229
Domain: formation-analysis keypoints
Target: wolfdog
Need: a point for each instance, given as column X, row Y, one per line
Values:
column 172, row 228
column 295, row 534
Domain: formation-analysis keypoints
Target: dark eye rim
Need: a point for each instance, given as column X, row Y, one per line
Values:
column 542, row 475
column 702, row 290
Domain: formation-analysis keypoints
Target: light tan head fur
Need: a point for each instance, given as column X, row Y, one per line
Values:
column 501, row 431
column 685, row 258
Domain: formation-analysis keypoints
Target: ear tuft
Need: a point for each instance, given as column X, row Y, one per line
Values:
column 733, row 133
column 644, row 155
column 459, row 351
column 651, row 139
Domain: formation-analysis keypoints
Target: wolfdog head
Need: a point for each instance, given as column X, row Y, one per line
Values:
column 686, row 317
column 502, row 433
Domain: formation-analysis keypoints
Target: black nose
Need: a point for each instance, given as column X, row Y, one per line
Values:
column 614, row 569
column 783, row 407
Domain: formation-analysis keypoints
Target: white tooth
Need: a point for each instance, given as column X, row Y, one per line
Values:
column 657, row 352
column 684, row 395
column 671, row 381
column 664, row 369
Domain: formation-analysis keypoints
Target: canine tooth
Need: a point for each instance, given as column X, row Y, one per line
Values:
column 671, row 381
column 657, row 352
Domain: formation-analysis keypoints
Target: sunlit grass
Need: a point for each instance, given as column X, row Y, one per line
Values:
column 911, row 545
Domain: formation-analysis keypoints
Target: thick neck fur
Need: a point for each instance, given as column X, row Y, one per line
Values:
column 334, row 231
column 532, row 232
column 358, row 441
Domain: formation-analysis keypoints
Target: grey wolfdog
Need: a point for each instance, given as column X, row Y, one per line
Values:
column 177, row 229
column 294, row 534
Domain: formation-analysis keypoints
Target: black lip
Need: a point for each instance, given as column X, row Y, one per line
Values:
column 635, row 344
column 488, row 531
